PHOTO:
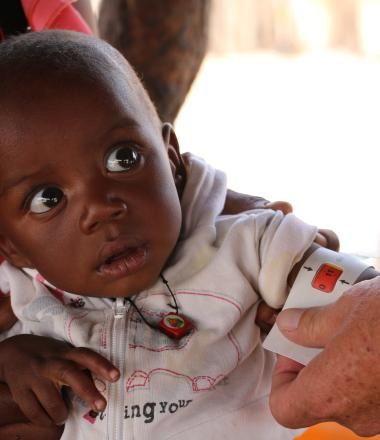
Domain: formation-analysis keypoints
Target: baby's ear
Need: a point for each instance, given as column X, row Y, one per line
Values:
column 176, row 161
column 11, row 253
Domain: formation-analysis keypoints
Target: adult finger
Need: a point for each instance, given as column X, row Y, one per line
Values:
column 279, row 205
column 313, row 327
column 327, row 239
column 284, row 374
column 294, row 399
column 238, row 202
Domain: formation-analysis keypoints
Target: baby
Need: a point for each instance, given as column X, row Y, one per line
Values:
column 116, row 244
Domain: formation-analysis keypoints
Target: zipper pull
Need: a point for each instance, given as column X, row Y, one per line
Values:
column 119, row 308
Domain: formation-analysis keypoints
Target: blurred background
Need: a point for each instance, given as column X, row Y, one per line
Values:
column 287, row 102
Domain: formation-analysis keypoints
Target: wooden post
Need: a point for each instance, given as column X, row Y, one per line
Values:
column 165, row 41
column 345, row 32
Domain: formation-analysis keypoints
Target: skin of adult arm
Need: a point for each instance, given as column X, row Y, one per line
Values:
column 342, row 383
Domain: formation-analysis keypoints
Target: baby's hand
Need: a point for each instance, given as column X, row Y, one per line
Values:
column 35, row 368
column 7, row 317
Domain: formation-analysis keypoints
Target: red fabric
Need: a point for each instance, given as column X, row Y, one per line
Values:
column 54, row 14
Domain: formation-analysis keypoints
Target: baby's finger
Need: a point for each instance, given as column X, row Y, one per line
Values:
column 32, row 409
column 94, row 362
column 69, row 373
column 51, row 400
column 83, row 386
column 7, row 317
column 265, row 317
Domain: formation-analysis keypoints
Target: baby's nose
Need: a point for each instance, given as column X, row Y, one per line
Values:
column 102, row 212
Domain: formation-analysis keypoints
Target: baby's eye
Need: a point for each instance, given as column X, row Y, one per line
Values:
column 46, row 199
column 123, row 158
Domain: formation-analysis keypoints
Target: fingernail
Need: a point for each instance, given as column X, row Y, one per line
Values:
column 289, row 319
column 114, row 375
column 99, row 405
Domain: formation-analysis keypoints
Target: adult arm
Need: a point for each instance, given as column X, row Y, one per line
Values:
column 342, row 383
column 238, row 202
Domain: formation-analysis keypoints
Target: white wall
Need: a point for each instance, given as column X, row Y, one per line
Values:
column 303, row 129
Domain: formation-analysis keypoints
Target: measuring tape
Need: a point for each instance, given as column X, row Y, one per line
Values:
column 323, row 278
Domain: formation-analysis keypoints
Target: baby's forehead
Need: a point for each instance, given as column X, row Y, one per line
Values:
column 38, row 61
column 46, row 72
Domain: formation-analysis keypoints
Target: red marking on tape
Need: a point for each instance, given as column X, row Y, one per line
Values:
column 326, row 277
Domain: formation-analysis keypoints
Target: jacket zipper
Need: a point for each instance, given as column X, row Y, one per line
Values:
column 116, row 393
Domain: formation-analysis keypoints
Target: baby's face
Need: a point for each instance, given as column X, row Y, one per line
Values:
column 87, row 195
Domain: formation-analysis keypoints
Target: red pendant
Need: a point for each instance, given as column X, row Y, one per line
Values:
column 175, row 326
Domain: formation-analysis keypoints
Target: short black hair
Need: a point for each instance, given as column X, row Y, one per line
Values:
column 60, row 53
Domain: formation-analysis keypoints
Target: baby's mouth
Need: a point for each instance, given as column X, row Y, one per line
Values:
column 124, row 262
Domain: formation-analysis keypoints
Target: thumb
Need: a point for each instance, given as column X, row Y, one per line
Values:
column 313, row 327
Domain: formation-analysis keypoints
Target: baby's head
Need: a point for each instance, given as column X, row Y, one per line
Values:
column 87, row 171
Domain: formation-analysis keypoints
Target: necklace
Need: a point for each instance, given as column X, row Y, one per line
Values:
column 173, row 324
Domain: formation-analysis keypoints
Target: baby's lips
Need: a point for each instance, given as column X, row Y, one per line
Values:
column 127, row 263
column 119, row 246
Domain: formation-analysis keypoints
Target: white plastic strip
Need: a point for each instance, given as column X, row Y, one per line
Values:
column 323, row 278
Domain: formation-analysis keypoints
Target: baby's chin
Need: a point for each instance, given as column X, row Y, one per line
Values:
column 116, row 280
column 121, row 288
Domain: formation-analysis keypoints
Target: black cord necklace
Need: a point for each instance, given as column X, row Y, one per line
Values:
column 173, row 324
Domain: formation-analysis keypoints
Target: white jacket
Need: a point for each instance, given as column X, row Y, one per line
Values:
column 214, row 382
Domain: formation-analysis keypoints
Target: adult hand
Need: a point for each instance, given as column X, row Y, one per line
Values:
column 238, row 202
column 342, row 383
column 35, row 368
